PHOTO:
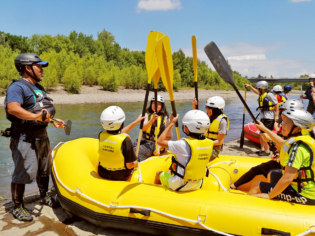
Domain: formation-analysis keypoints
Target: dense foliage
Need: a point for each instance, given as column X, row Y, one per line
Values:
column 78, row 59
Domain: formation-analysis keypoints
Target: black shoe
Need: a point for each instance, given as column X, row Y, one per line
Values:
column 49, row 201
column 263, row 153
column 20, row 213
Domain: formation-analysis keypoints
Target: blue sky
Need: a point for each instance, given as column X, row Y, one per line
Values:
column 267, row 37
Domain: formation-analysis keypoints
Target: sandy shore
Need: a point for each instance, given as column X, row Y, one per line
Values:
column 96, row 94
column 49, row 221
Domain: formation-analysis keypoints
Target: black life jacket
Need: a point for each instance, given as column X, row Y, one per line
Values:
column 42, row 101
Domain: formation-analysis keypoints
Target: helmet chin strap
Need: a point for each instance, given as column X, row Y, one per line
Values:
column 291, row 131
column 183, row 128
column 34, row 75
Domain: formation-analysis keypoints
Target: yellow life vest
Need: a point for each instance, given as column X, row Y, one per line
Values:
column 264, row 103
column 110, row 154
column 213, row 131
column 306, row 173
column 153, row 134
column 281, row 98
column 196, row 168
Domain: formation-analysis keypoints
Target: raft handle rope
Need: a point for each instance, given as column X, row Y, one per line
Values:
column 215, row 176
column 116, row 206
column 310, row 230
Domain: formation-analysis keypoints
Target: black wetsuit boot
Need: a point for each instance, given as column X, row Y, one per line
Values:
column 19, row 211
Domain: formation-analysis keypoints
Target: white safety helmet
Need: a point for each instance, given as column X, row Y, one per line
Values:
column 196, row 121
column 300, row 118
column 292, row 104
column 277, row 89
column 160, row 98
column 262, row 84
column 112, row 118
column 216, row 102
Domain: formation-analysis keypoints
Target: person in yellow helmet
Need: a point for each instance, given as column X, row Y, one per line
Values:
column 191, row 154
column 219, row 123
column 117, row 158
column 296, row 182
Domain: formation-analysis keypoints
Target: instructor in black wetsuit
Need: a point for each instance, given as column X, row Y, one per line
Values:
column 25, row 104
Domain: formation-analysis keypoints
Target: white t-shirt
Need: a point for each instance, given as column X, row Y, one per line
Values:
column 182, row 151
column 270, row 114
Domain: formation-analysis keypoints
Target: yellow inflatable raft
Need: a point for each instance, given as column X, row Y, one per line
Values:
column 140, row 205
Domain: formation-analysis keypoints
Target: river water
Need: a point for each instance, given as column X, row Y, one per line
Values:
column 85, row 123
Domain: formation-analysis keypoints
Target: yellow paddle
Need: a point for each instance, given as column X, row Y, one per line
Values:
column 152, row 71
column 194, row 50
column 165, row 62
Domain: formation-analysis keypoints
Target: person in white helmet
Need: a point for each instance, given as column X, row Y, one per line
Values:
column 191, row 154
column 310, row 95
column 265, row 168
column 117, row 158
column 296, row 183
column 280, row 95
column 219, row 123
column 269, row 111
column 155, row 122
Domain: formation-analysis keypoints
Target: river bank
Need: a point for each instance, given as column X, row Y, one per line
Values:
column 96, row 94
column 49, row 221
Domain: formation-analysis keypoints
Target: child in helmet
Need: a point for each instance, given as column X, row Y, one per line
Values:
column 116, row 156
column 269, row 111
column 265, row 168
column 154, row 124
column 278, row 91
column 287, row 88
column 296, row 182
column 219, row 123
column 191, row 155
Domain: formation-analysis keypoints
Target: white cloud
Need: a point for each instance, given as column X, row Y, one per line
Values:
column 158, row 5
column 297, row 1
column 251, row 60
column 247, row 57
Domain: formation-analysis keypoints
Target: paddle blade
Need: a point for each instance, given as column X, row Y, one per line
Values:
column 165, row 61
column 67, row 127
column 219, row 62
column 194, row 50
column 150, row 57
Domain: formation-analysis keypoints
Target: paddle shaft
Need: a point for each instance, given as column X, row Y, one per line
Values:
column 194, row 51
column 244, row 103
column 175, row 114
column 143, row 114
column 196, row 93
column 242, row 134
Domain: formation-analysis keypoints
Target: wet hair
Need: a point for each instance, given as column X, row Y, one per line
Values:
column 197, row 136
column 215, row 113
column 163, row 112
column 116, row 131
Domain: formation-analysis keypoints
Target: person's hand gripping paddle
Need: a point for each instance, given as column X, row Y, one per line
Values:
column 221, row 66
column 153, row 73
column 165, row 62
column 67, row 124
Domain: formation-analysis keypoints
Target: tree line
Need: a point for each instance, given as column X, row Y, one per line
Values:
column 79, row 59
